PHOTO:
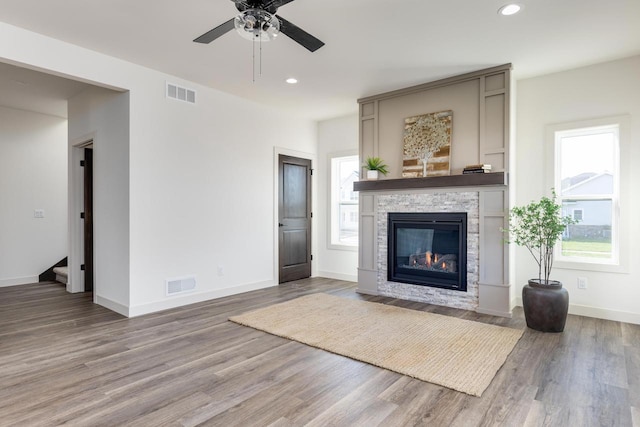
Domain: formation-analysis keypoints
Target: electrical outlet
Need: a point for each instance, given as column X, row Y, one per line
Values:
column 38, row 213
column 582, row 283
column 220, row 270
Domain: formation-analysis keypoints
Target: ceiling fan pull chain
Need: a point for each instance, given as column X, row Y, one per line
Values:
column 253, row 59
column 260, row 56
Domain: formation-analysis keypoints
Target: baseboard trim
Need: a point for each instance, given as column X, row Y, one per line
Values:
column 494, row 313
column 338, row 276
column 599, row 313
column 18, row 281
column 112, row 305
column 192, row 298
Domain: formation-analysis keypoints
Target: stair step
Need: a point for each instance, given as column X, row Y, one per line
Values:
column 62, row 274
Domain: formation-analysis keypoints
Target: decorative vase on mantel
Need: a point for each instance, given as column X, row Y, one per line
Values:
column 372, row 174
column 545, row 305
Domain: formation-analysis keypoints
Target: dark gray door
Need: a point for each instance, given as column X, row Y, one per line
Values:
column 88, row 220
column 294, row 218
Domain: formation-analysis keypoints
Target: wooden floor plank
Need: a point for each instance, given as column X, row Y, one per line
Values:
column 65, row 360
column 632, row 359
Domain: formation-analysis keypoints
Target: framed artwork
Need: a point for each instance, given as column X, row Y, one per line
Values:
column 427, row 145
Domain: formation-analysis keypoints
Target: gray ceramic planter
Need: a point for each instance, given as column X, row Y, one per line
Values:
column 545, row 306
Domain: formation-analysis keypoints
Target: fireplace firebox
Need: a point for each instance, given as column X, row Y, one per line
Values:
column 428, row 249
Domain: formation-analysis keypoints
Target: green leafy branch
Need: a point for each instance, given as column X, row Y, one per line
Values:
column 376, row 164
column 538, row 226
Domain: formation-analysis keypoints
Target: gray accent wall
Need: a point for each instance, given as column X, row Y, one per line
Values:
column 481, row 109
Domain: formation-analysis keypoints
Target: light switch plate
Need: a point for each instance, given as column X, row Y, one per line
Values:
column 582, row 283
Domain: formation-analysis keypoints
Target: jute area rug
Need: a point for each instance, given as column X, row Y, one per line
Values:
column 455, row 353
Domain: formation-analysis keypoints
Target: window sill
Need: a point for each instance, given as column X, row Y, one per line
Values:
column 587, row 266
column 347, row 248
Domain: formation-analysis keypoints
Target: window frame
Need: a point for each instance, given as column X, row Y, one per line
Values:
column 333, row 198
column 573, row 213
column 620, row 219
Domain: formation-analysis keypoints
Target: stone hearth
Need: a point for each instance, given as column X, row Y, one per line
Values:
column 439, row 202
column 488, row 290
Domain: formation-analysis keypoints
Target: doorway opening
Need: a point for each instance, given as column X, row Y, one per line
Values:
column 87, row 215
column 81, row 219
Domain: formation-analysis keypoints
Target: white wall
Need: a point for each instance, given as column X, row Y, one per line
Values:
column 339, row 135
column 33, row 175
column 201, row 191
column 602, row 90
column 102, row 116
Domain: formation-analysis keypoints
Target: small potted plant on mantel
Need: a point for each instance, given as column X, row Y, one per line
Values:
column 538, row 227
column 375, row 166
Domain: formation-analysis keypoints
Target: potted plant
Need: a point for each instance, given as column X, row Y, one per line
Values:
column 374, row 166
column 538, row 227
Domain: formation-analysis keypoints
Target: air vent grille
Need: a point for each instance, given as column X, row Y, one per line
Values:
column 180, row 285
column 181, row 93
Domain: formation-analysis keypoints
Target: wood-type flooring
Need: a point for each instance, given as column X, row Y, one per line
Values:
column 64, row 360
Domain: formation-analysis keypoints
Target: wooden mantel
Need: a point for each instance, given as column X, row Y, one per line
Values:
column 469, row 180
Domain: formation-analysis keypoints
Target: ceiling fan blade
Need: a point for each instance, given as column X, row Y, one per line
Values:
column 299, row 35
column 242, row 5
column 211, row 35
column 274, row 4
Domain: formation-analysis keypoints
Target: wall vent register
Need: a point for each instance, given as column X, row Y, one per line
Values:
column 181, row 93
column 180, row 285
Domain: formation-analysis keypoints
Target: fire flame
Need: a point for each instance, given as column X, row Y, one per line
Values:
column 427, row 260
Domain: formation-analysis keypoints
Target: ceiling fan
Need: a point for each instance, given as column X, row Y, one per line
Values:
column 258, row 21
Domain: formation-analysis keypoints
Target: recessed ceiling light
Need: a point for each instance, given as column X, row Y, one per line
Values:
column 292, row 81
column 509, row 9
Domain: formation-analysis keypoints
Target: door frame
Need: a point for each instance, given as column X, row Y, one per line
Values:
column 75, row 281
column 277, row 151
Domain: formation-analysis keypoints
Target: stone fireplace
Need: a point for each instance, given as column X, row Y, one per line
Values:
column 433, row 203
column 484, row 259
column 432, row 272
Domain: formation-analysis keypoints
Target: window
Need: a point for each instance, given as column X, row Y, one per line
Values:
column 587, row 184
column 344, row 201
column 577, row 214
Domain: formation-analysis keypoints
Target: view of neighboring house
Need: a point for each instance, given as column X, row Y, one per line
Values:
column 593, row 216
column 349, row 209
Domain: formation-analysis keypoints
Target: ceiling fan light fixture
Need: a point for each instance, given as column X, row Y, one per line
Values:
column 509, row 9
column 257, row 21
column 257, row 24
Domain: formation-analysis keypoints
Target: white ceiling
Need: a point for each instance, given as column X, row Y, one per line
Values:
column 372, row 46
column 35, row 91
